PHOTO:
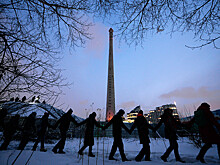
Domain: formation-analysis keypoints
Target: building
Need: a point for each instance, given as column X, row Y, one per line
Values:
column 131, row 116
column 110, row 103
column 154, row 116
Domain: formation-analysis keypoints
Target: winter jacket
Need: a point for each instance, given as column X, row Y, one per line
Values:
column 44, row 125
column 29, row 126
column 206, row 130
column 11, row 126
column 170, row 124
column 117, row 123
column 64, row 122
column 89, row 137
column 142, row 126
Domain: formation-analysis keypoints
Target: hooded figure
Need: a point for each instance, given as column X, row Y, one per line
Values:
column 64, row 123
column 142, row 126
column 28, row 129
column 170, row 133
column 41, row 134
column 206, row 122
column 89, row 137
column 10, row 130
column 117, row 123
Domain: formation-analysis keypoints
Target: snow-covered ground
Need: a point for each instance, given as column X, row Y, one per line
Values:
column 101, row 149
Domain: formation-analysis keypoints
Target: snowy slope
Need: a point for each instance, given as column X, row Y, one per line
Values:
column 187, row 151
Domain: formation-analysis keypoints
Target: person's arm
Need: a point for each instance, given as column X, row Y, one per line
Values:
column 58, row 122
column 108, row 124
column 133, row 127
column 82, row 122
column 125, row 128
column 97, row 124
column 159, row 124
column 74, row 121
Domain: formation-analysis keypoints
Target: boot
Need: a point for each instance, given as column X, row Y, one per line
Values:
column 54, row 150
column 43, row 150
column 125, row 159
column 180, row 160
column 80, row 152
column 163, row 158
column 61, row 152
column 91, row 154
column 201, row 159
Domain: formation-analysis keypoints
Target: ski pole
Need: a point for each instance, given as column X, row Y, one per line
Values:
column 162, row 138
column 17, row 157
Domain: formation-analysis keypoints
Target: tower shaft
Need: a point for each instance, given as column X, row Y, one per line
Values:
column 110, row 105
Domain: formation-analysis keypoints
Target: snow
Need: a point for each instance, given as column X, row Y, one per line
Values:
column 187, row 152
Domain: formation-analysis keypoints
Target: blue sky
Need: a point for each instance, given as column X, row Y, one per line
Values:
column 159, row 72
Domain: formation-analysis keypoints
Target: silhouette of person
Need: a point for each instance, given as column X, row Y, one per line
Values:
column 10, row 130
column 170, row 133
column 23, row 99
column 142, row 126
column 3, row 114
column 17, row 99
column 117, row 123
column 28, row 130
column 64, row 123
column 206, row 122
column 89, row 137
column 41, row 134
column 33, row 98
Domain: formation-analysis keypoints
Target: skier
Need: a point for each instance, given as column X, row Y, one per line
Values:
column 10, row 130
column 64, row 123
column 206, row 122
column 28, row 130
column 41, row 134
column 89, row 137
column 142, row 126
column 170, row 133
column 117, row 123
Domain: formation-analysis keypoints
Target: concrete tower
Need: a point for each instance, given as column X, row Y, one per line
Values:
column 110, row 105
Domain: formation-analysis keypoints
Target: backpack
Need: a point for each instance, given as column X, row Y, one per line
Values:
column 200, row 118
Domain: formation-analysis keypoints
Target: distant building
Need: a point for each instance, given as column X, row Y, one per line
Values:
column 131, row 116
column 154, row 116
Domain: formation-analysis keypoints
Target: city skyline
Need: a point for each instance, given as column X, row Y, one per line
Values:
column 159, row 72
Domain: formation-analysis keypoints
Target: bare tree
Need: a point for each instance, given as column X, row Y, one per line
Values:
column 31, row 31
column 137, row 18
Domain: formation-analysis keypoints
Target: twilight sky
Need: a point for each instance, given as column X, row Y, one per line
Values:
column 159, row 72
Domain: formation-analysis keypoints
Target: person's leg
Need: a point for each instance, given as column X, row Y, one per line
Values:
column 6, row 143
column 82, row 149
column 36, row 143
column 121, row 150
column 59, row 145
column 23, row 142
column 141, row 153
column 62, row 141
column 203, row 151
column 147, row 154
column 90, row 152
column 218, row 147
column 113, row 150
column 168, row 151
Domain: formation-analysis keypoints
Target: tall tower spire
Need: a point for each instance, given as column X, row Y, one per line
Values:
column 110, row 105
